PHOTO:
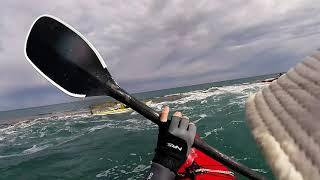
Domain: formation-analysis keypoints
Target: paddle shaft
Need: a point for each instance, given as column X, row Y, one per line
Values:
column 121, row 95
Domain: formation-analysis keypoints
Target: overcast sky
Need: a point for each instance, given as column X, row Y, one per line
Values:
column 151, row 45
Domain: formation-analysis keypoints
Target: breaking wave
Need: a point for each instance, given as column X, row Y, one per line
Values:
column 241, row 90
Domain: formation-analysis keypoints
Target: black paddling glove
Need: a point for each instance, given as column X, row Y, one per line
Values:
column 174, row 143
column 171, row 151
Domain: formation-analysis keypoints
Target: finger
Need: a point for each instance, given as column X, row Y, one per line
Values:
column 184, row 123
column 192, row 131
column 164, row 114
column 192, row 128
column 174, row 123
column 178, row 114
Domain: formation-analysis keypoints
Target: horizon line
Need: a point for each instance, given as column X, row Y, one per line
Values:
column 134, row 93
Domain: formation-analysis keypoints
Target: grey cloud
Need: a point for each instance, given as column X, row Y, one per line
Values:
column 160, row 44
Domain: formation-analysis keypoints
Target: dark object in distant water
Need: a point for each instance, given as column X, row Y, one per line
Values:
column 272, row 79
column 42, row 114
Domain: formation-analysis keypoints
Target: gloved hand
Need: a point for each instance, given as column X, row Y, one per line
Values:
column 174, row 143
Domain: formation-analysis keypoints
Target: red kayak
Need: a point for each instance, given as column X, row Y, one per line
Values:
column 199, row 166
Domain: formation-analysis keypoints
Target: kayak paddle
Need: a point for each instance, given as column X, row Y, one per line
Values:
column 70, row 62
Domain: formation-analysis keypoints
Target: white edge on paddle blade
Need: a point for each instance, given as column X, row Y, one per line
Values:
column 45, row 76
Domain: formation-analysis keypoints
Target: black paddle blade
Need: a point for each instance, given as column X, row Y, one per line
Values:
column 65, row 58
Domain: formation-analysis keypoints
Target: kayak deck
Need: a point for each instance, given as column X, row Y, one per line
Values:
column 199, row 166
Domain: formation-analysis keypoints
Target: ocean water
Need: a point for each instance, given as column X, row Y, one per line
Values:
column 54, row 144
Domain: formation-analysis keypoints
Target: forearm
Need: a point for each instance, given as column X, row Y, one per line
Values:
column 159, row 172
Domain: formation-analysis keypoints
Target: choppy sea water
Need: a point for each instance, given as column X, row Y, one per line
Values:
column 83, row 146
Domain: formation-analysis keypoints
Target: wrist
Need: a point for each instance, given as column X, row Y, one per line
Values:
column 158, row 172
column 168, row 161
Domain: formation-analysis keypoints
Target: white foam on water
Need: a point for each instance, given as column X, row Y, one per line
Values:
column 140, row 168
column 207, row 134
column 158, row 106
column 34, row 133
column 243, row 90
column 42, row 134
column 134, row 113
column 203, row 101
column 181, row 108
column 98, row 127
column 73, row 117
column 131, row 124
column 34, row 149
column 11, row 155
column 9, row 132
column 203, row 115
column 236, row 122
column 12, row 129
column 195, row 96
column 138, row 124
column 29, row 151
column 6, row 129
column 119, row 170
column 93, row 121
column 176, row 94
column 196, row 121
column 104, row 173
column 260, row 171
column 216, row 130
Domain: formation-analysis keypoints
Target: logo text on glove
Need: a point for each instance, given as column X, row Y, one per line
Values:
column 174, row 146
